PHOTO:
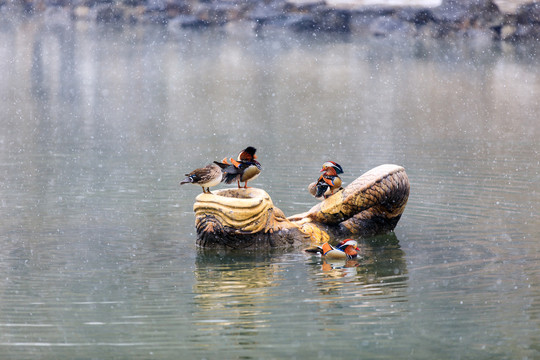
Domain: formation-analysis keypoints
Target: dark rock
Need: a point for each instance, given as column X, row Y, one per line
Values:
column 52, row 3
column 134, row 3
column 456, row 17
column 463, row 12
column 93, row 3
column 303, row 8
column 528, row 14
column 109, row 14
column 301, row 22
column 385, row 26
column 191, row 22
column 155, row 6
column 417, row 16
column 263, row 13
column 526, row 32
column 174, row 8
column 318, row 19
column 221, row 13
column 361, row 20
column 373, row 12
column 334, row 20
column 155, row 17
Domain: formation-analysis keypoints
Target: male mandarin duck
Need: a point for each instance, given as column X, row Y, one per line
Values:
column 244, row 169
column 205, row 177
column 345, row 250
column 332, row 164
column 329, row 182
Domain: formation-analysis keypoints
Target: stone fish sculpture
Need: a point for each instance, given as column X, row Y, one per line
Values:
column 247, row 218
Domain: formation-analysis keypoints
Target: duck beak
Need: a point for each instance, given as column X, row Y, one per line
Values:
column 255, row 156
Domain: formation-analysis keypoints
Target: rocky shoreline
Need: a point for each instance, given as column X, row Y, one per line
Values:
column 451, row 18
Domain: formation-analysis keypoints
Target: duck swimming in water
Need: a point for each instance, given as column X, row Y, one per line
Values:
column 345, row 250
column 244, row 169
column 205, row 177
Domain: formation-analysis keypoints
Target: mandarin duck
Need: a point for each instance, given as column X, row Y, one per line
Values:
column 329, row 182
column 206, row 177
column 244, row 169
column 345, row 250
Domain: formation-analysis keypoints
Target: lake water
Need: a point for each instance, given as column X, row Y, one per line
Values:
column 98, row 257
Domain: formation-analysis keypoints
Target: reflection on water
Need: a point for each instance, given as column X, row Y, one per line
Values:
column 229, row 295
column 98, row 248
column 259, row 300
column 54, row 39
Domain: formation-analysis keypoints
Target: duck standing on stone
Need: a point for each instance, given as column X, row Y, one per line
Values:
column 206, row 177
column 244, row 169
column 328, row 183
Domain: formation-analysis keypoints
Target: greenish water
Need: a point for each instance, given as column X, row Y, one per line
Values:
column 98, row 255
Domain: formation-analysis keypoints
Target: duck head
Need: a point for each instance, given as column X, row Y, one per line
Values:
column 248, row 154
column 350, row 247
column 332, row 165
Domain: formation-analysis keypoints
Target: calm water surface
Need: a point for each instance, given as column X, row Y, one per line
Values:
column 98, row 257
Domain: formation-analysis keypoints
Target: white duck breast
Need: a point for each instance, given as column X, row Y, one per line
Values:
column 250, row 173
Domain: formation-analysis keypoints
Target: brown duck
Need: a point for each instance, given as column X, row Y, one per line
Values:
column 206, row 177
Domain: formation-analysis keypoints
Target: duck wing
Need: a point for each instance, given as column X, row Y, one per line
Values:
column 230, row 172
column 322, row 188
